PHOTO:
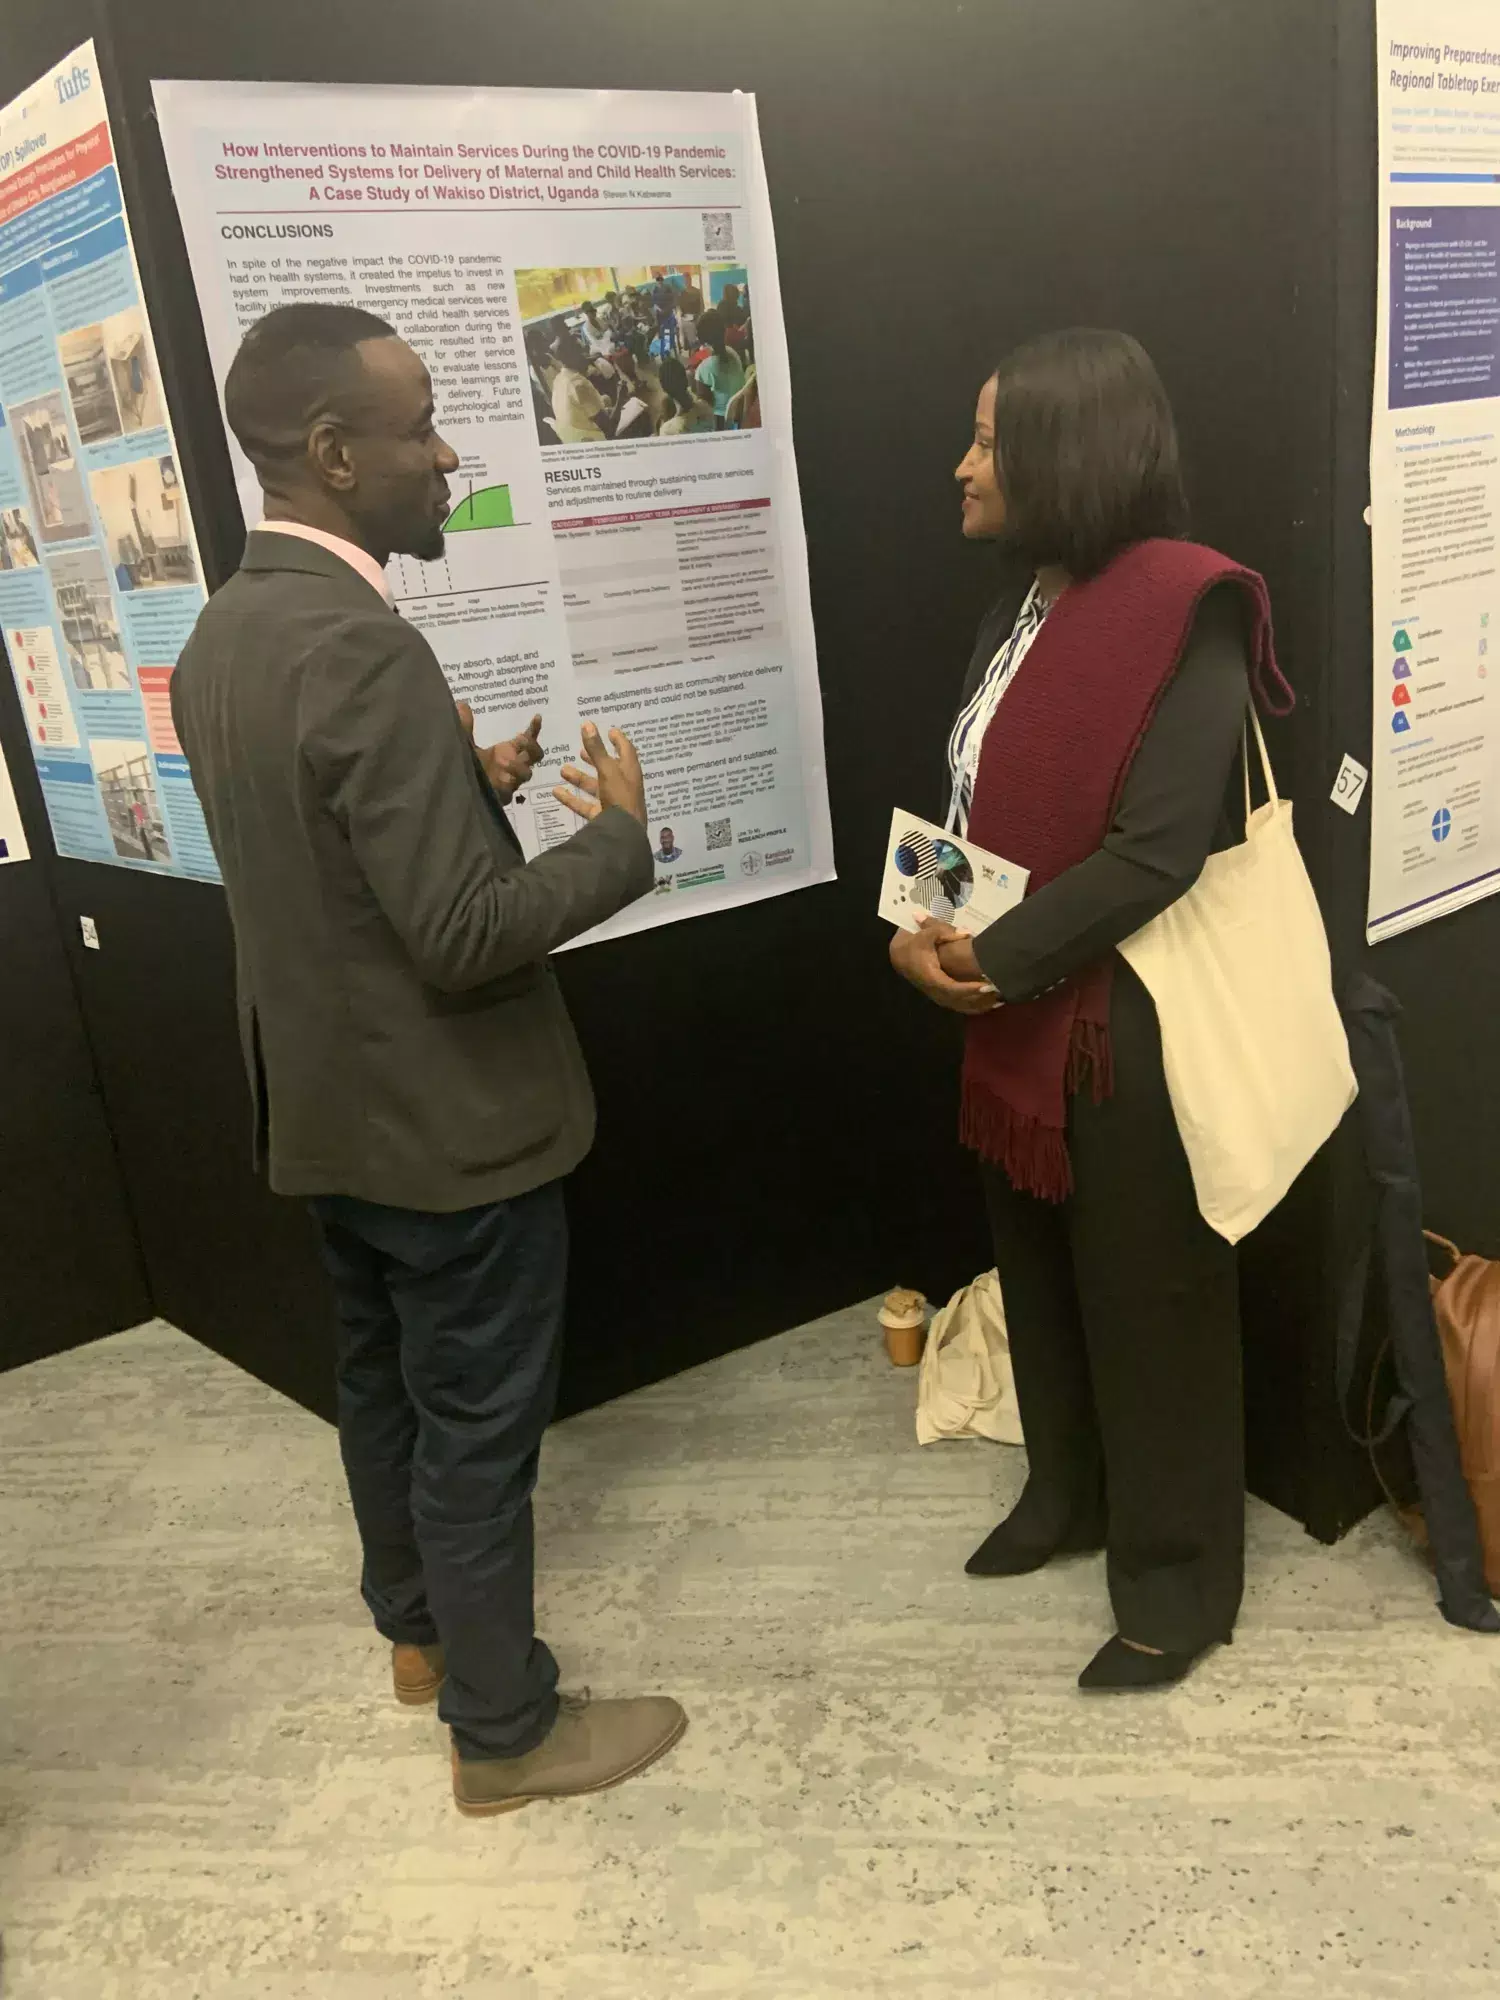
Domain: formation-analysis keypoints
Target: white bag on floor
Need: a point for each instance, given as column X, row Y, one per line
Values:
column 966, row 1388
column 1256, row 1057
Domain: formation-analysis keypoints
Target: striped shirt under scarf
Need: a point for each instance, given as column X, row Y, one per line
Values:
column 967, row 740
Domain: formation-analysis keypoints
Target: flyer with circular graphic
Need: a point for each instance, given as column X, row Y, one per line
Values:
column 930, row 872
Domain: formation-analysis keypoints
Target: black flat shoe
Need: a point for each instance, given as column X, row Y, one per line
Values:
column 1120, row 1669
column 1003, row 1552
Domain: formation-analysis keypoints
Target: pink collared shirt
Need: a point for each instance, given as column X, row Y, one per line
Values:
column 349, row 552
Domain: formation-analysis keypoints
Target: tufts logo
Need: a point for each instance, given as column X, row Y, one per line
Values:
column 74, row 84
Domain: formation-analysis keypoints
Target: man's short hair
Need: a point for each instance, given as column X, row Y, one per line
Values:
column 295, row 365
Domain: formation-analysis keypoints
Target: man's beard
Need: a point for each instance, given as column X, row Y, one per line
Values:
column 430, row 547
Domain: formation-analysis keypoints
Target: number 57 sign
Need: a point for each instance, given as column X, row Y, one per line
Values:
column 1349, row 785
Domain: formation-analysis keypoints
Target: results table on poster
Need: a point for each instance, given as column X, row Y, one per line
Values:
column 100, row 580
column 591, row 279
column 1435, row 465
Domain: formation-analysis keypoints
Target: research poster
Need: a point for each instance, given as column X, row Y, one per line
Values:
column 590, row 277
column 12, row 835
column 99, row 573
column 1435, row 465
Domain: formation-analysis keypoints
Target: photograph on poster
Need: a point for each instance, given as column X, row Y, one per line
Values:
column 17, row 542
column 127, row 789
column 142, row 511
column 90, row 390
column 91, row 629
column 58, row 503
column 619, row 354
column 137, row 391
column 111, row 383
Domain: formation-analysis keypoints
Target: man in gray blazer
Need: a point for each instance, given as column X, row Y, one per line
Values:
column 414, row 1071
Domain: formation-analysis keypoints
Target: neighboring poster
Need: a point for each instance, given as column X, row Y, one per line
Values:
column 99, row 574
column 591, row 278
column 1435, row 465
column 12, row 834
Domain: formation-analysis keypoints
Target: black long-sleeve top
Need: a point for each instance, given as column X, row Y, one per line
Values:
column 1174, row 811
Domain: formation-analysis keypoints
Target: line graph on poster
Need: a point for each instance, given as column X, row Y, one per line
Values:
column 479, row 552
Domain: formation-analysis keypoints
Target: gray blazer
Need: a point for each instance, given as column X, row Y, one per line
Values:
column 403, row 1034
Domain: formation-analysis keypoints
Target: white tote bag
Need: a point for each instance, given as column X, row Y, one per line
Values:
column 1256, row 1057
column 966, row 1388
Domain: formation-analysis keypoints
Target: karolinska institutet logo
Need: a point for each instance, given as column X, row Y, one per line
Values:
column 74, row 84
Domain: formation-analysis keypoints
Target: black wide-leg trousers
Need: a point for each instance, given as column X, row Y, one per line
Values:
column 1123, row 1312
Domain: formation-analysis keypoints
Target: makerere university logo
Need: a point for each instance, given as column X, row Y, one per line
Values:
column 74, row 84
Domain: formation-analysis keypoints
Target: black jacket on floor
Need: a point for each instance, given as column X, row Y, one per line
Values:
column 1392, row 1254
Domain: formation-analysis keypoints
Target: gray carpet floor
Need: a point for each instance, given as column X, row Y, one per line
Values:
column 890, row 1784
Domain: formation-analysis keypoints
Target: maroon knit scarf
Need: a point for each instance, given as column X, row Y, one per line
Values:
column 1051, row 772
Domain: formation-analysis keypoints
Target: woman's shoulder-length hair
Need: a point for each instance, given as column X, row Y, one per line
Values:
column 1085, row 449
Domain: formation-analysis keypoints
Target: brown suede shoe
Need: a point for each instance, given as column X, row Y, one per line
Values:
column 417, row 1672
column 591, row 1746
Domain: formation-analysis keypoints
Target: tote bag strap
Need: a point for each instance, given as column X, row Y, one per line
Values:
column 1253, row 721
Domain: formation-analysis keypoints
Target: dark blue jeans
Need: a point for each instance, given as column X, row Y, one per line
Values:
column 449, row 1342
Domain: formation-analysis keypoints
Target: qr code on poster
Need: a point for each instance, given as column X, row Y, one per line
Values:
column 719, row 833
column 718, row 233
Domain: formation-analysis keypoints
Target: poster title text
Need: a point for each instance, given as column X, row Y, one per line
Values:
column 402, row 171
column 1444, row 68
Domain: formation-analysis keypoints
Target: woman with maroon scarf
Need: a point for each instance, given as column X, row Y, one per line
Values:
column 1097, row 745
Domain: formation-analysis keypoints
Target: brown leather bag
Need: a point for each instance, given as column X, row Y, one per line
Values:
column 1466, row 1302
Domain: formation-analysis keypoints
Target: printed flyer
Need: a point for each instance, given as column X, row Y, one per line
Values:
column 99, row 573
column 1435, row 465
column 590, row 277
